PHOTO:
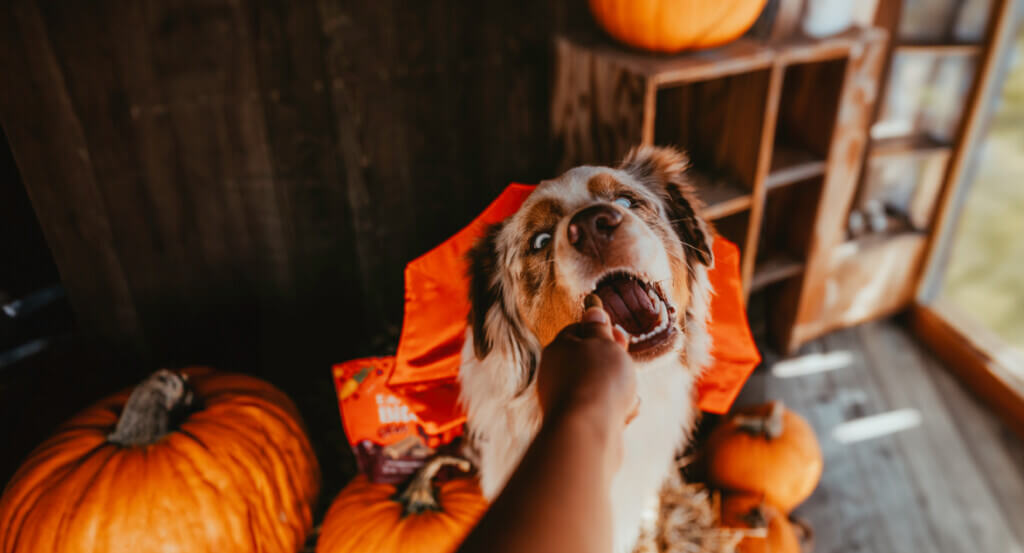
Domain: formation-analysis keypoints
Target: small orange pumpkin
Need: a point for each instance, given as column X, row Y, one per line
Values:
column 674, row 25
column 766, row 450
column 749, row 511
column 376, row 518
column 194, row 461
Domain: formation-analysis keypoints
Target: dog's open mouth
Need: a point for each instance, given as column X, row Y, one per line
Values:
column 640, row 309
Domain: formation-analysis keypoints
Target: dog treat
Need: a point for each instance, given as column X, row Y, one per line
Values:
column 592, row 300
column 393, row 434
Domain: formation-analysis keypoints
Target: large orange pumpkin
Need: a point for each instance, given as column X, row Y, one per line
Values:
column 766, row 450
column 675, row 25
column 749, row 511
column 195, row 461
column 376, row 518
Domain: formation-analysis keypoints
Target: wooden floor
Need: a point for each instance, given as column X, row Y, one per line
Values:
column 952, row 483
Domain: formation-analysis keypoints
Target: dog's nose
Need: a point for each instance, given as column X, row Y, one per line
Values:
column 592, row 228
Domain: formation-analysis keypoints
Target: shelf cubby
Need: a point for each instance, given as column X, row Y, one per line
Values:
column 727, row 108
column 906, row 184
column 792, row 164
column 774, row 269
column 943, row 20
column 806, row 116
column 721, row 196
column 925, row 95
column 734, row 227
column 785, row 233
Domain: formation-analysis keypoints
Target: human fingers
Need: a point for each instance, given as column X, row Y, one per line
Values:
column 595, row 321
column 592, row 303
column 635, row 410
column 620, row 336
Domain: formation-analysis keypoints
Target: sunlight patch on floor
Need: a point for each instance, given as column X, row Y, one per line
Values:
column 875, row 426
column 812, row 364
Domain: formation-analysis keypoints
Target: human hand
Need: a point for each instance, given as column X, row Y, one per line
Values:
column 587, row 367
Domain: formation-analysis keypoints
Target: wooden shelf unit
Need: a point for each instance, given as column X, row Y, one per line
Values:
column 762, row 124
column 787, row 138
column 906, row 167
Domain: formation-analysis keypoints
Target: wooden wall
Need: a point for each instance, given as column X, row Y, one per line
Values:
column 201, row 167
column 240, row 182
column 25, row 261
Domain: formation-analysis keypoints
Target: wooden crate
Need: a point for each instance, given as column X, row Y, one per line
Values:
column 776, row 133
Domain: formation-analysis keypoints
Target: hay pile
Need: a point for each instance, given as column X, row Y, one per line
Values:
column 688, row 522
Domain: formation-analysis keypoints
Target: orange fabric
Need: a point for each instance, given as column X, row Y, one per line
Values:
column 437, row 298
column 733, row 349
column 436, row 306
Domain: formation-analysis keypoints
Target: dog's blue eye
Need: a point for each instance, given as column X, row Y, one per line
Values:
column 624, row 202
column 540, row 240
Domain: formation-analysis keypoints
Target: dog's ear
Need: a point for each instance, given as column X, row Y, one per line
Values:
column 664, row 171
column 492, row 317
column 484, row 293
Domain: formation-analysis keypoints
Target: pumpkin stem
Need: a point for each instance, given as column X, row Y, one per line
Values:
column 419, row 494
column 152, row 409
column 770, row 426
column 755, row 518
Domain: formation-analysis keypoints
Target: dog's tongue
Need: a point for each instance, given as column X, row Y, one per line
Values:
column 628, row 304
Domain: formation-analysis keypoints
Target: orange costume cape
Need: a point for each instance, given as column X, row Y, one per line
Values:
column 396, row 410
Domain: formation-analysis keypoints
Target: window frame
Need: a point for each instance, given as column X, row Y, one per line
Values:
column 984, row 363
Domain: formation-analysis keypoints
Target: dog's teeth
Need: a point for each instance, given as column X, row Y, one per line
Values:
column 664, row 321
column 622, row 330
column 654, row 297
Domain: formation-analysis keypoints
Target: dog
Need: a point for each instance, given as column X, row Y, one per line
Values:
column 633, row 235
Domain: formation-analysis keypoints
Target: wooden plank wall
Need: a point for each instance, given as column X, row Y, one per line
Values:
column 241, row 182
column 25, row 261
column 210, row 174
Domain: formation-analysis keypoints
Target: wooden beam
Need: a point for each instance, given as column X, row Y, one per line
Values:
column 984, row 365
column 940, row 48
column 776, row 268
column 845, row 156
column 792, row 164
column 59, row 172
column 764, row 162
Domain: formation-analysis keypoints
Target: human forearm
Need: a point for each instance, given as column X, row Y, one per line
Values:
column 557, row 499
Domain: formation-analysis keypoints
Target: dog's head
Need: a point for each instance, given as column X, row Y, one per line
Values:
column 630, row 234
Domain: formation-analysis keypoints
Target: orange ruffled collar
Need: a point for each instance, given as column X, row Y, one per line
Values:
column 436, row 307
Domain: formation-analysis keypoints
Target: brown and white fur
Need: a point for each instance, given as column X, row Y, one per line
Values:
column 522, row 296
